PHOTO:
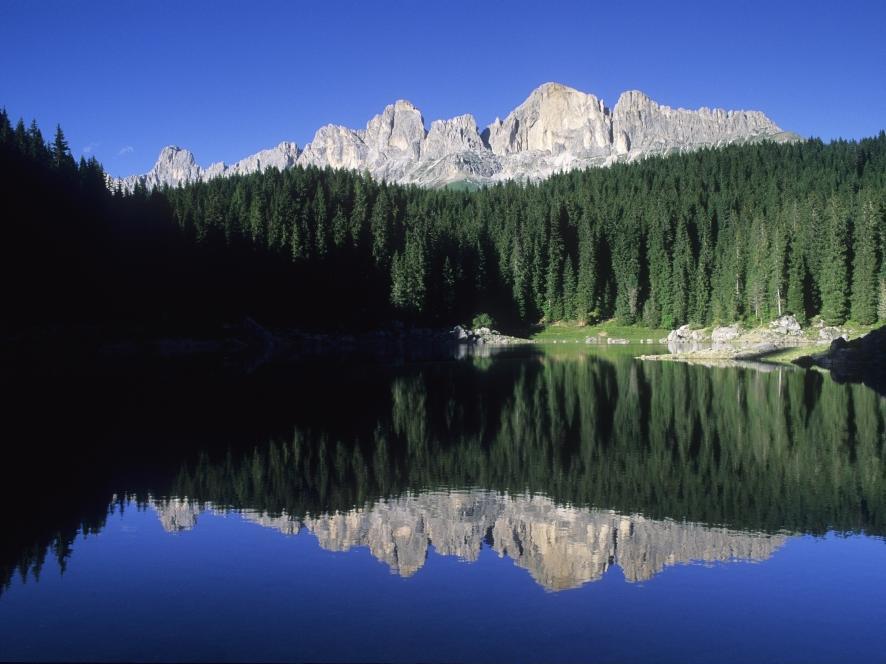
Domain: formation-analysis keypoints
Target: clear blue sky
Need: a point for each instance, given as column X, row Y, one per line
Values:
column 227, row 78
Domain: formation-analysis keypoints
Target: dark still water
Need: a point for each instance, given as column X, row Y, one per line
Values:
column 556, row 507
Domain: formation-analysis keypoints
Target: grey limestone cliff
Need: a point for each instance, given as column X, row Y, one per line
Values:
column 557, row 128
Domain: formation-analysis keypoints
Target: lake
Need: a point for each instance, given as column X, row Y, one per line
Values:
column 530, row 506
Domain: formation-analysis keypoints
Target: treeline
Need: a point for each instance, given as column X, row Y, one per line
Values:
column 741, row 233
column 738, row 233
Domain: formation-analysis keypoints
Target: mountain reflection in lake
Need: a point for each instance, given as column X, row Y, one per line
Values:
column 565, row 465
column 561, row 547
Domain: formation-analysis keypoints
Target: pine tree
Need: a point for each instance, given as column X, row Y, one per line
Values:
column 835, row 266
column 660, row 305
column 881, row 302
column 865, row 282
column 681, row 273
column 359, row 211
column 256, row 219
column 759, row 271
column 298, row 237
column 61, row 153
column 380, row 224
column 569, row 290
column 321, row 227
column 777, row 273
column 797, row 282
column 447, row 286
column 701, row 291
column 339, row 227
column 37, row 148
column 20, row 137
column 553, row 308
column 587, row 271
column 6, row 134
column 520, row 279
column 408, row 271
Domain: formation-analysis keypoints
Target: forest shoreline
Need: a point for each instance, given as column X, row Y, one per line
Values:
column 109, row 348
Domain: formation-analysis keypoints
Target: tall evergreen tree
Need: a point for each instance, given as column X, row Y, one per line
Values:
column 61, row 153
column 682, row 269
column 569, row 290
column 835, row 267
column 380, row 223
column 865, row 277
column 587, row 271
column 553, row 298
column 797, row 280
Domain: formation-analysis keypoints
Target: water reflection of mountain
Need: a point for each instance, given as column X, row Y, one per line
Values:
column 787, row 450
column 561, row 547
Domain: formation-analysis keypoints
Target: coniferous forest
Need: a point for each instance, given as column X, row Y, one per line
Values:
column 737, row 233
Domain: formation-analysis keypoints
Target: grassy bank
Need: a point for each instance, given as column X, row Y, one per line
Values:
column 565, row 332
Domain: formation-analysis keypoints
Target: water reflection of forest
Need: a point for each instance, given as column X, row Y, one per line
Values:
column 784, row 450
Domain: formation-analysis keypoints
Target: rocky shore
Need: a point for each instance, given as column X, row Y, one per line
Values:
column 860, row 360
column 736, row 343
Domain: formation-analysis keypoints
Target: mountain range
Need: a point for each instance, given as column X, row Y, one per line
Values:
column 557, row 128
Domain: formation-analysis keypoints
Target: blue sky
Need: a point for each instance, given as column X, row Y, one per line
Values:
column 226, row 78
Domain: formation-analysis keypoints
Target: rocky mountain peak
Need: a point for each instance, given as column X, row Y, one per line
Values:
column 397, row 132
column 634, row 99
column 554, row 119
column 556, row 128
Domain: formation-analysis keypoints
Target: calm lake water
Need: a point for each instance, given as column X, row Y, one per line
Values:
column 527, row 506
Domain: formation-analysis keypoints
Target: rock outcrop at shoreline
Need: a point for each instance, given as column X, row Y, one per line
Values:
column 860, row 360
column 737, row 343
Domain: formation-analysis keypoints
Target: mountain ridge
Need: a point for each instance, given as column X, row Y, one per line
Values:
column 556, row 128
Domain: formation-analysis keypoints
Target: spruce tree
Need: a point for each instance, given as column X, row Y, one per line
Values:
column 359, row 212
column 660, row 311
column 701, row 291
column 447, row 286
column 321, row 226
column 380, row 226
column 6, row 134
column 865, row 281
column 21, row 139
column 339, row 227
column 835, row 266
column 569, row 290
column 797, row 278
column 61, row 153
column 553, row 307
column 37, row 148
column 682, row 269
column 587, row 271
column 881, row 302
column 256, row 218
column 759, row 271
